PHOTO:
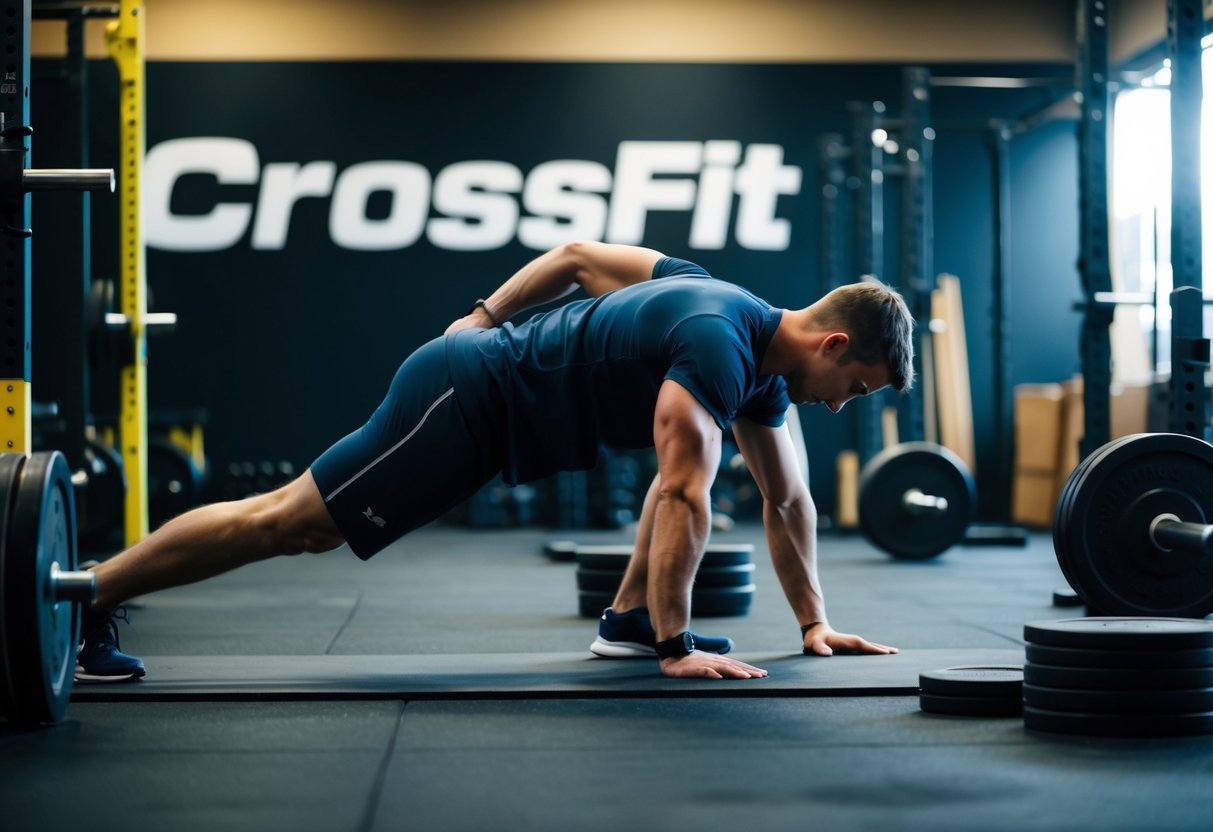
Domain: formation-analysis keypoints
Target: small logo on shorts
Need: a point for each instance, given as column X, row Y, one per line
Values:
column 369, row 514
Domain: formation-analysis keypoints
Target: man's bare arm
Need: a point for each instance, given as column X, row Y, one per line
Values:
column 597, row 268
column 687, row 440
column 790, row 518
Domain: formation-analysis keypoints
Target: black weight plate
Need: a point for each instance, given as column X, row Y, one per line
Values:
column 173, row 481
column 724, row 576
column 615, row 556
column 1067, row 598
column 101, row 341
column 1063, row 538
column 931, row 469
column 934, row 703
column 101, row 506
column 599, row 580
column 718, row 602
column 591, row 604
column 712, row 603
column 727, row 554
column 608, row 580
column 1001, row 681
column 1124, row 633
column 1117, row 678
column 732, row 609
column 593, row 557
column 1119, row 701
column 561, row 550
column 1109, row 549
column 1079, row 657
column 1118, row 725
column 10, row 472
column 41, row 532
column 1065, row 500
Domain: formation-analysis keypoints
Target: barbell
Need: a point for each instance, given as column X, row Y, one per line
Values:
column 916, row 500
column 1132, row 531
column 40, row 589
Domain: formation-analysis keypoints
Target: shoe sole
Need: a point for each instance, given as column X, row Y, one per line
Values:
column 91, row 678
column 633, row 650
column 621, row 649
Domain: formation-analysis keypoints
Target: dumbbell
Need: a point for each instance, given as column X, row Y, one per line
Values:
column 40, row 589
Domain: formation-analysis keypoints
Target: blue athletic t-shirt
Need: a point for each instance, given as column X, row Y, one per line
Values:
column 555, row 389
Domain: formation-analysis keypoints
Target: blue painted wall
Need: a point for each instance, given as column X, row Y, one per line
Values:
column 290, row 348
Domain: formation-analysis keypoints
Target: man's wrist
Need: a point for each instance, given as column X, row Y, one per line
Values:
column 680, row 645
column 804, row 628
column 482, row 306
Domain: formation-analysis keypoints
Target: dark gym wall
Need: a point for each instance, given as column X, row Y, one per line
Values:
column 289, row 349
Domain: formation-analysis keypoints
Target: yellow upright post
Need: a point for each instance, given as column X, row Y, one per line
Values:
column 15, row 398
column 125, row 38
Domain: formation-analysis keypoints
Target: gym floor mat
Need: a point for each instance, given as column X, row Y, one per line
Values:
column 519, row 675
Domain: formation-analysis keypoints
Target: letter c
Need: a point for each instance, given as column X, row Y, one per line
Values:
column 230, row 161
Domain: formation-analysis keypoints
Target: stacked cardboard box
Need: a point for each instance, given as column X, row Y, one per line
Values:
column 1048, row 428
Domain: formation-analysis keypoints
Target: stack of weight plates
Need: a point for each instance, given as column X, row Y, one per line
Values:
column 560, row 550
column 989, row 690
column 1119, row 677
column 724, row 585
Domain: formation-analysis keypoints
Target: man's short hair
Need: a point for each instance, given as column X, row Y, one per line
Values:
column 879, row 323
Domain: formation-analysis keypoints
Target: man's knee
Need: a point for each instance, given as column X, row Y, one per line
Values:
column 293, row 520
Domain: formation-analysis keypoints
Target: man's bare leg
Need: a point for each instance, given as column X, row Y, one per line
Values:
column 634, row 588
column 218, row 538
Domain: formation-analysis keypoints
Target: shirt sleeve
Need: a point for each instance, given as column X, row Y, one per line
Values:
column 676, row 267
column 708, row 359
column 769, row 403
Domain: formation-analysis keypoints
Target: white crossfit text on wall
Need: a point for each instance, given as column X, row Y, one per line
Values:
column 477, row 205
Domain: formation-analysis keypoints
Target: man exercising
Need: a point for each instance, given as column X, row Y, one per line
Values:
column 643, row 362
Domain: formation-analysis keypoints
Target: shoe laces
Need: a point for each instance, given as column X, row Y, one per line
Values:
column 106, row 629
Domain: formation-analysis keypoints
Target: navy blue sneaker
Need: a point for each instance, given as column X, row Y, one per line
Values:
column 98, row 658
column 630, row 635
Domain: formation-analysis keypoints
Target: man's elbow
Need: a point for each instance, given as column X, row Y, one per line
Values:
column 576, row 256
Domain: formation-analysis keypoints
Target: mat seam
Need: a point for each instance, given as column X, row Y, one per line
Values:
column 328, row 651
column 367, row 823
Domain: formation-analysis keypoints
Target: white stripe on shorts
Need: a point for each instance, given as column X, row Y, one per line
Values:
column 395, row 447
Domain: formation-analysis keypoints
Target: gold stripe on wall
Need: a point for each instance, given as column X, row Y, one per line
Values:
column 713, row 31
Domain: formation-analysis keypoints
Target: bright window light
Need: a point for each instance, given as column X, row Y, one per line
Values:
column 1141, row 200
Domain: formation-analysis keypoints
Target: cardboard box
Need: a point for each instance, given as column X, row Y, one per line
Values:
column 1038, row 412
column 1034, row 499
column 1039, row 419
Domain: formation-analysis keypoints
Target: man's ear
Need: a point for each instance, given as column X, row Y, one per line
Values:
column 836, row 343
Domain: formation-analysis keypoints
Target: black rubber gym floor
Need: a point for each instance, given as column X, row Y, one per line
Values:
column 446, row 685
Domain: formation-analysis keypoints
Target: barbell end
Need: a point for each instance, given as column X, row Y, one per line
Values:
column 160, row 323
column 79, row 587
column 69, row 179
column 1169, row 533
column 916, row 502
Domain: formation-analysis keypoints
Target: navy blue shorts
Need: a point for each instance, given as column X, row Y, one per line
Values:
column 414, row 460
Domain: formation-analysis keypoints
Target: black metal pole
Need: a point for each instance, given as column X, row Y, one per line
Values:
column 867, row 165
column 1000, row 145
column 917, row 221
column 1096, row 343
column 1189, row 349
column 831, row 151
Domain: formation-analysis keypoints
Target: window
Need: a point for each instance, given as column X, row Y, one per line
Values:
column 1141, row 220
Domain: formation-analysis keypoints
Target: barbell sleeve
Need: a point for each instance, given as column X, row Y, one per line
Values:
column 916, row 502
column 1169, row 532
column 72, row 586
column 68, row 179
